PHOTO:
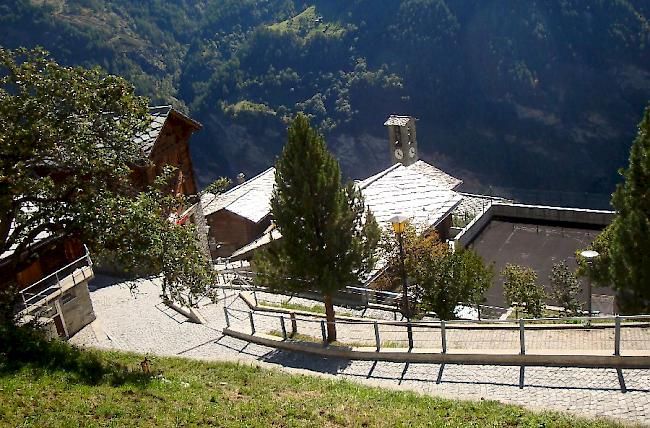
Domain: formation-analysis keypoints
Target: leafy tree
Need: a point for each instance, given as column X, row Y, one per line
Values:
column 328, row 237
column 520, row 288
column 217, row 186
column 66, row 152
column 630, row 246
column 419, row 251
column 441, row 279
column 566, row 288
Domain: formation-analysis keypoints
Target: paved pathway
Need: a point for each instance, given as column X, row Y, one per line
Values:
column 140, row 322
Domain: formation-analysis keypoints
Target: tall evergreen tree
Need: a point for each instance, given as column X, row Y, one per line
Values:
column 328, row 238
column 630, row 245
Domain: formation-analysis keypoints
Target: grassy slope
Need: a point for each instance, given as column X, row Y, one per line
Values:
column 219, row 394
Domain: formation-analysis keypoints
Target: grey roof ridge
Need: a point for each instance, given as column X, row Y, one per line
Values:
column 229, row 191
column 247, row 182
column 175, row 111
column 378, row 176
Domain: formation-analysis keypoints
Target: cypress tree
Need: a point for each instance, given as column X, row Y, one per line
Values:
column 328, row 239
column 630, row 245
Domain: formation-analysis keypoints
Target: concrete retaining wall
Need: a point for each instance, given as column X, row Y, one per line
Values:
column 533, row 213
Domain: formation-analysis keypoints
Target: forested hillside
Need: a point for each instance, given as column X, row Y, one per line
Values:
column 539, row 95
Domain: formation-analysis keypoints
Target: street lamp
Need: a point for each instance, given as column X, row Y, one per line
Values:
column 589, row 256
column 399, row 226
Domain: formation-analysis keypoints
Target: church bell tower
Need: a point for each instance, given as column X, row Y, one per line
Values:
column 402, row 141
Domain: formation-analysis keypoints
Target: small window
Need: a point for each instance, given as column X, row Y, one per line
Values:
column 68, row 297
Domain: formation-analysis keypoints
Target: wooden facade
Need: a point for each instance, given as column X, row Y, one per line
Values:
column 45, row 258
column 229, row 232
column 170, row 147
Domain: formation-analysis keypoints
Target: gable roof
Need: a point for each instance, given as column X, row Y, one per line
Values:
column 409, row 192
column 159, row 115
column 443, row 179
column 250, row 200
column 395, row 190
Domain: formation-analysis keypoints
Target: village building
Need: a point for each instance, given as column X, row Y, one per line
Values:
column 166, row 142
column 537, row 237
column 53, row 286
column 240, row 215
column 409, row 187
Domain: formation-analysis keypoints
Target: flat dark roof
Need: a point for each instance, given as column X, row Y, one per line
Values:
column 538, row 245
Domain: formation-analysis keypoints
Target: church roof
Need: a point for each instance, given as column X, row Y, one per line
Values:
column 440, row 177
column 250, row 199
column 408, row 192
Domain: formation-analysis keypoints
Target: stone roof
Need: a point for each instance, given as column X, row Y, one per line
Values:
column 396, row 190
column 246, row 251
column 409, row 192
column 250, row 200
column 395, row 120
column 440, row 177
column 147, row 139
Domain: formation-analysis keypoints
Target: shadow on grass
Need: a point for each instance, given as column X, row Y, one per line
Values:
column 302, row 360
column 25, row 348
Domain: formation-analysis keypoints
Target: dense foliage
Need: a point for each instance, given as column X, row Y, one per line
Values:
column 328, row 236
column 521, row 290
column 66, row 152
column 565, row 288
column 629, row 251
column 537, row 95
column 439, row 279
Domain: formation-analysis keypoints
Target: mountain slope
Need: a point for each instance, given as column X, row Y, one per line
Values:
column 527, row 95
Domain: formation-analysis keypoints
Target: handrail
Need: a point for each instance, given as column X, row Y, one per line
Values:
column 449, row 323
column 436, row 347
column 49, row 277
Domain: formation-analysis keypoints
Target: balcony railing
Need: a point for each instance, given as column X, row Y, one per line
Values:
column 37, row 294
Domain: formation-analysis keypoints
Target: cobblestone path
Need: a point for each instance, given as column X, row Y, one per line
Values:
column 141, row 323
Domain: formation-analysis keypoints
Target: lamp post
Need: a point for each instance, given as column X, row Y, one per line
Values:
column 399, row 226
column 589, row 256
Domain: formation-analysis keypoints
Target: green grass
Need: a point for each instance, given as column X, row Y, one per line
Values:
column 53, row 384
column 311, row 339
column 286, row 304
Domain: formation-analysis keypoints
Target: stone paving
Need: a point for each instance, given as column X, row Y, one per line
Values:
column 140, row 322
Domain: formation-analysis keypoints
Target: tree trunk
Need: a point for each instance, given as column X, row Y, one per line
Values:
column 329, row 315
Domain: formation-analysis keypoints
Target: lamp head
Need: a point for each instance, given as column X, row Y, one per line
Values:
column 399, row 223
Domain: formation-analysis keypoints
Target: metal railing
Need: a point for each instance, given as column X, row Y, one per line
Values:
column 244, row 280
column 604, row 335
column 37, row 293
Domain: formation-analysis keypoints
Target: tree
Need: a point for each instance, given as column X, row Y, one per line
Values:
column 66, row 153
column 630, row 246
column 328, row 237
column 441, row 279
column 566, row 288
column 520, row 289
